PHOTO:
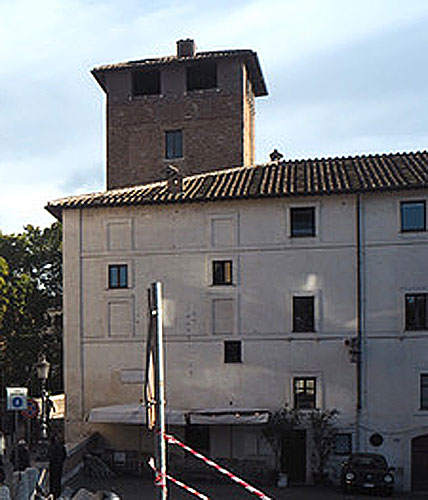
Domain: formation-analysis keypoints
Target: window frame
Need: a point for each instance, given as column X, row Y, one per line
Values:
column 310, row 232
column 413, row 230
column 314, row 397
column 226, row 272
column 234, row 357
column 423, row 384
column 173, row 146
column 407, row 326
column 313, row 299
column 118, row 283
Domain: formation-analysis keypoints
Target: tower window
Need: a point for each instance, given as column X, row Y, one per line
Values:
column 202, row 75
column 173, row 144
column 146, row 82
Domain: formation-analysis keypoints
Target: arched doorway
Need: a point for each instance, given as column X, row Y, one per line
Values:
column 420, row 463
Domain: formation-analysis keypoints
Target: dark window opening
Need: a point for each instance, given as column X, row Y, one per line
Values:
column 416, row 311
column 222, row 272
column 424, row 391
column 413, row 216
column 303, row 314
column 305, row 393
column 202, row 75
column 232, row 351
column 198, row 437
column 146, row 82
column 302, row 221
column 173, row 144
column 118, row 276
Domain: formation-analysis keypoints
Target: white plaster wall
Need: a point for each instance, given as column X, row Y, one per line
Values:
column 176, row 245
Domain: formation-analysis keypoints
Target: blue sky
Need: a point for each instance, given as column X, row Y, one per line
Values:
column 344, row 77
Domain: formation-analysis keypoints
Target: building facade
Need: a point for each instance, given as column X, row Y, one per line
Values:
column 295, row 283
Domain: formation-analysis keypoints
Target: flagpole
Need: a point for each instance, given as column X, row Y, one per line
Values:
column 160, row 391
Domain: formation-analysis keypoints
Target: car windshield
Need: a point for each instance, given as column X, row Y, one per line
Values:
column 369, row 460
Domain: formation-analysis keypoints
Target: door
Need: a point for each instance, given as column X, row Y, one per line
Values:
column 293, row 456
column 420, row 463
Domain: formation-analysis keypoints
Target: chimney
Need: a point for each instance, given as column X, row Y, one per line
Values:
column 186, row 48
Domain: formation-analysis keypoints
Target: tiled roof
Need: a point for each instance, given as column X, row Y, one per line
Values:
column 317, row 177
column 248, row 56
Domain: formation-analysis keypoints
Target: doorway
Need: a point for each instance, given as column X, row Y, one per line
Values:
column 420, row 463
column 293, row 456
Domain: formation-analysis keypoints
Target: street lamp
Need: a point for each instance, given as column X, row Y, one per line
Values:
column 43, row 367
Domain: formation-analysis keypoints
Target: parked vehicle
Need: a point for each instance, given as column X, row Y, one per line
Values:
column 369, row 472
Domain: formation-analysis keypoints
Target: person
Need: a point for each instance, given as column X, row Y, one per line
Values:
column 22, row 456
column 57, row 454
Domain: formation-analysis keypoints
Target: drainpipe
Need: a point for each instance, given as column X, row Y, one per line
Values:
column 360, row 312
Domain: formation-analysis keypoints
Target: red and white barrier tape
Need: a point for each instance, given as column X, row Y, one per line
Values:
column 175, row 481
column 248, row 487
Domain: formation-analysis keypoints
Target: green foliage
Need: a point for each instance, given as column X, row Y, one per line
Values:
column 30, row 305
column 321, row 428
column 323, row 432
column 279, row 425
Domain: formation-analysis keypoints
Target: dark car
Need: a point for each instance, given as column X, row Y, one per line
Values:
column 369, row 472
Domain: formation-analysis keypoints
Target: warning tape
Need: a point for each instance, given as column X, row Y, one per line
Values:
column 248, row 487
column 159, row 482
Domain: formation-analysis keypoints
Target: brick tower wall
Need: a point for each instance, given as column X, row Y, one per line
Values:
column 217, row 124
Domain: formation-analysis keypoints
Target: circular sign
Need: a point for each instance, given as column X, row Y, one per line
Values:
column 17, row 402
column 376, row 439
column 32, row 409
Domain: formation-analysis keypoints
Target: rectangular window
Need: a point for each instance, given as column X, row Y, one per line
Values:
column 302, row 221
column 232, row 351
column 413, row 216
column 305, row 393
column 416, row 311
column 343, row 444
column 118, row 276
column 146, row 82
column 424, row 391
column 303, row 314
column 173, row 144
column 222, row 272
column 201, row 75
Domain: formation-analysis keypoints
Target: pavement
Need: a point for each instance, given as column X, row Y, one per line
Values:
column 132, row 488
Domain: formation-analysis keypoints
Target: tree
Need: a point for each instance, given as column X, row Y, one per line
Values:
column 280, row 423
column 30, row 305
column 323, row 432
column 321, row 428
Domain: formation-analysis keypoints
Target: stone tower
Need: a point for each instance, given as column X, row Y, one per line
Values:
column 194, row 110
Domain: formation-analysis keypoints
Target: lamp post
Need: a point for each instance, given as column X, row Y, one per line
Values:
column 43, row 367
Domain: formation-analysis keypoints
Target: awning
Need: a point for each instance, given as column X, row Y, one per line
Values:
column 228, row 416
column 131, row 414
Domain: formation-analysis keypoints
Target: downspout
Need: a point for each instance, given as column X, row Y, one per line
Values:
column 359, row 325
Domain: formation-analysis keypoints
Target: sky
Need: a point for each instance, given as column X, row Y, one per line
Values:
column 345, row 77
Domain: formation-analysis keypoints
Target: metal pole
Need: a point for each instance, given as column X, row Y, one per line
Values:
column 160, row 390
column 44, row 426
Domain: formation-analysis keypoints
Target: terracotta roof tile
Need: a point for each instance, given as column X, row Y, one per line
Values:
column 329, row 176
